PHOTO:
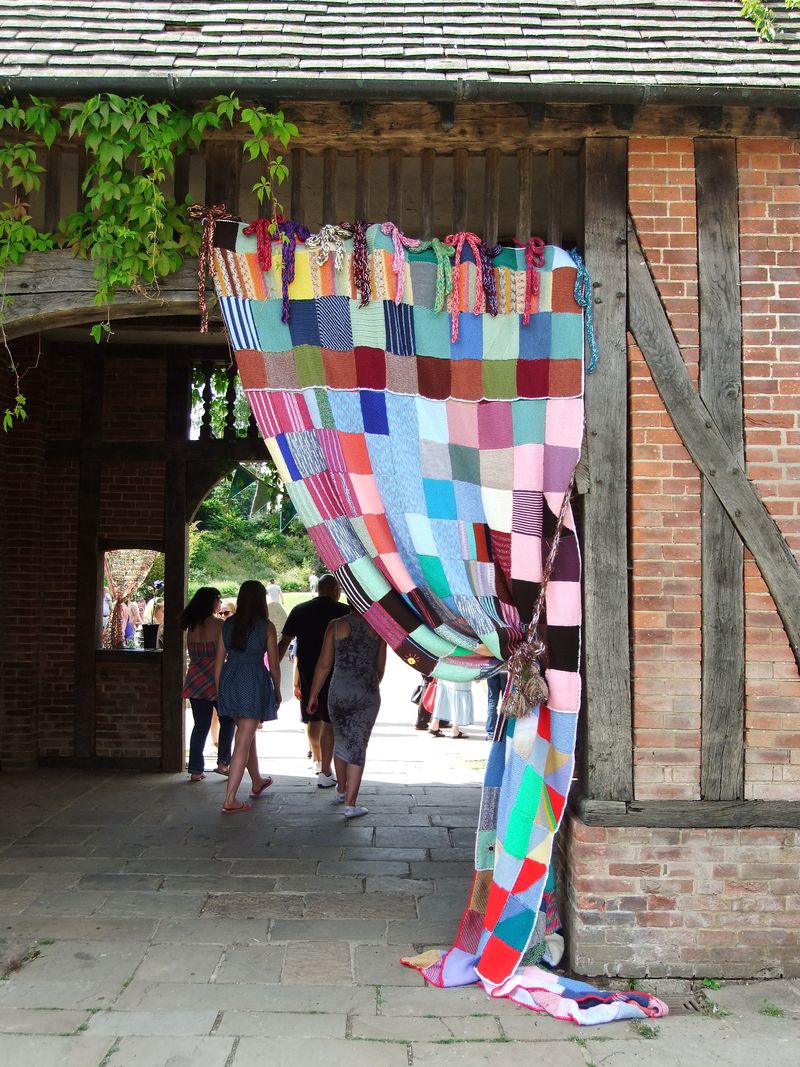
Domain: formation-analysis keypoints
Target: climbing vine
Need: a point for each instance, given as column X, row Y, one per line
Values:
column 130, row 227
column 763, row 17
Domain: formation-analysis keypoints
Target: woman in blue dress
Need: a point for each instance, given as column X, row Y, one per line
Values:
column 248, row 690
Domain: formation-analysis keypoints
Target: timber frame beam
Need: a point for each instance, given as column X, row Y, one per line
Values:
column 704, row 441
column 687, row 814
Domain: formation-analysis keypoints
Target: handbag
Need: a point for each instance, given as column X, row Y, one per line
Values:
column 429, row 696
column 416, row 696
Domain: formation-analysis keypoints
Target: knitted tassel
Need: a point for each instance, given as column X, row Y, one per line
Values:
column 400, row 242
column 290, row 232
column 489, row 281
column 583, row 297
column 458, row 240
column 361, row 261
column 329, row 240
column 526, row 686
column 209, row 216
column 534, row 257
column 265, row 231
column 444, row 270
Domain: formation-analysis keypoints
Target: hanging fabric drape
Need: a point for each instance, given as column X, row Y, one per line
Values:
column 126, row 569
column 428, row 436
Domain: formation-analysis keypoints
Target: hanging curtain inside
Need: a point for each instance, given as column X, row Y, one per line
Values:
column 126, row 569
column 423, row 402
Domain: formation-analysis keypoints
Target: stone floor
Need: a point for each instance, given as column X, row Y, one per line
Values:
column 139, row 926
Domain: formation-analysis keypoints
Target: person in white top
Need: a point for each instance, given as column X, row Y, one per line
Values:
column 274, row 592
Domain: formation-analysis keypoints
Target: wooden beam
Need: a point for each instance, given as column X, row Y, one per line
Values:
column 707, row 446
column 524, row 193
column 53, row 289
column 363, row 183
column 329, row 164
column 178, row 414
column 395, row 207
column 555, row 197
column 52, row 190
column 89, row 577
column 426, row 179
column 609, row 755
column 459, row 190
column 491, row 196
column 223, row 171
column 722, row 745
column 297, row 172
column 688, row 814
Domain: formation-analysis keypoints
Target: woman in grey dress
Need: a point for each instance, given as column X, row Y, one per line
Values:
column 358, row 658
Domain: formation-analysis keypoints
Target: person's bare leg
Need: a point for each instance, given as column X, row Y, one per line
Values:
column 341, row 774
column 313, row 732
column 256, row 777
column 353, row 784
column 326, row 747
column 245, row 734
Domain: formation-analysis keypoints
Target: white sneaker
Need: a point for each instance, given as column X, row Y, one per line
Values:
column 339, row 798
column 325, row 781
column 351, row 812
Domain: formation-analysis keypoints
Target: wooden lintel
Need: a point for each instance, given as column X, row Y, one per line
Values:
column 706, row 445
column 228, row 453
column 357, row 115
column 688, row 814
column 622, row 115
column 535, row 113
column 447, row 116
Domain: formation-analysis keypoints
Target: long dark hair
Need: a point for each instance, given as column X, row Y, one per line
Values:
column 251, row 605
column 200, row 607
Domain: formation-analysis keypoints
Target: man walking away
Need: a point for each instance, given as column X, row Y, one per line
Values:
column 307, row 623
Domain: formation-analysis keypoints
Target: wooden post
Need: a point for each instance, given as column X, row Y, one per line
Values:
column 609, row 755
column 363, row 177
column 395, row 211
column 722, row 745
column 52, row 189
column 426, row 178
column 329, row 161
column 175, row 567
column 459, row 190
column 555, row 196
column 491, row 196
column 298, row 166
column 524, row 193
column 223, row 171
column 89, row 569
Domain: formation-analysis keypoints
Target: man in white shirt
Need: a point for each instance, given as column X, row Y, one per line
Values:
column 274, row 592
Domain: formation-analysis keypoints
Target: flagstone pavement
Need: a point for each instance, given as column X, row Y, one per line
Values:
column 139, row 926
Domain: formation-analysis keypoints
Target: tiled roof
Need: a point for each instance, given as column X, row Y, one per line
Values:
column 653, row 49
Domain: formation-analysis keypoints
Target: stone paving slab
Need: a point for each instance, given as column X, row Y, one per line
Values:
column 251, row 964
column 311, row 1053
column 173, row 1051
column 194, row 963
column 380, row 965
column 426, row 1028
column 68, row 928
column 152, row 1023
column 354, row 906
column 358, row 931
column 673, row 1050
column 282, row 1024
column 210, row 930
column 491, row 1054
column 18, row 1050
column 252, row 906
column 317, row 963
column 30, row 1021
column 61, row 994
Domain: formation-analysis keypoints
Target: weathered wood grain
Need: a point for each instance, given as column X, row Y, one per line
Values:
column 223, row 174
column 706, row 445
column 555, row 195
column 491, row 196
column 689, row 814
column 722, row 552
column 51, row 289
column 395, row 206
column 459, row 189
column 426, row 178
column 363, row 183
column 297, row 174
column 608, row 757
column 329, row 167
column 524, row 193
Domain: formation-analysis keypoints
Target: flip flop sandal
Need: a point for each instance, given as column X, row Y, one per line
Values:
column 196, row 777
column 236, row 810
column 223, row 773
column 258, row 792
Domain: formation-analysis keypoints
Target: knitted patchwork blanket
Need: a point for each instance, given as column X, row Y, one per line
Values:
column 423, row 403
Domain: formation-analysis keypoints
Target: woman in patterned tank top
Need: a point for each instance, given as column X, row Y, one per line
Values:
column 203, row 632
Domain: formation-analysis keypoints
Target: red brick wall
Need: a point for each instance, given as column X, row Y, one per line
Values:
column 128, row 706
column 133, row 399
column 132, row 500
column 769, row 210
column 665, row 491
column 645, row 902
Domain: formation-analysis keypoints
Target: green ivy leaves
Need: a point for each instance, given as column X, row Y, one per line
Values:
column 133, row 231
